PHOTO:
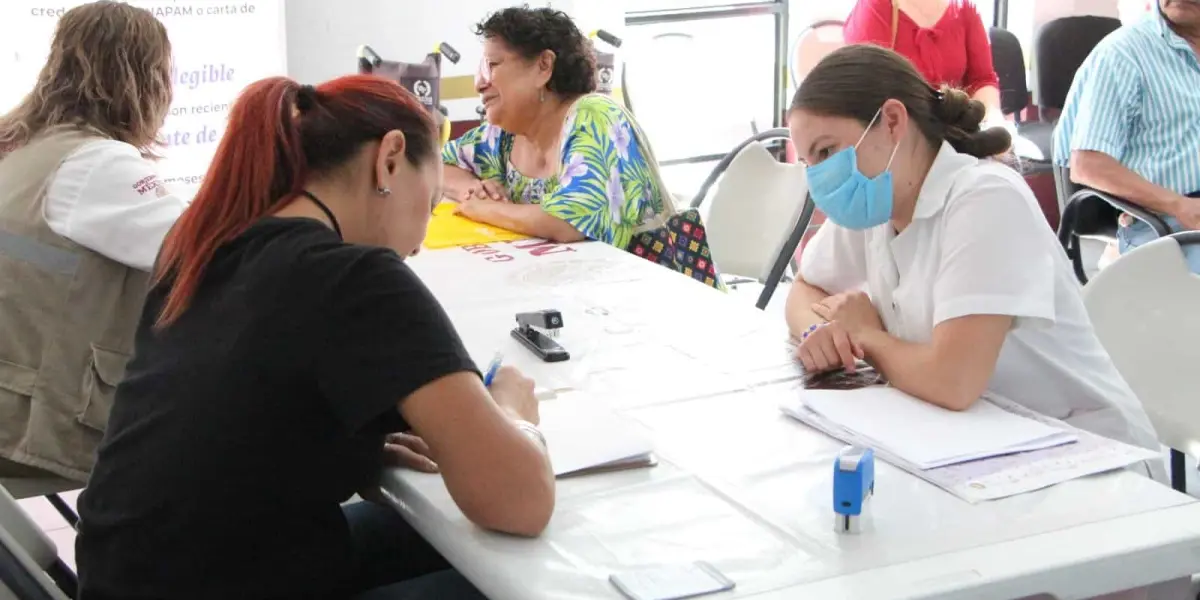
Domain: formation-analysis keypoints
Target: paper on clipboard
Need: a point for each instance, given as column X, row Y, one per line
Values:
column 448, row 230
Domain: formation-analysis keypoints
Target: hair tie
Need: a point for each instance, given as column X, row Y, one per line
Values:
column 306, row 98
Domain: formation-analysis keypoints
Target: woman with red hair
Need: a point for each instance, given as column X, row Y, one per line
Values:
column 285, row 355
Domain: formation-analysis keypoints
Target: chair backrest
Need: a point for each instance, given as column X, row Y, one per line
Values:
column 812, row 44
column 25, row 554
column 754, row 207
column 1059, row 48
column 1143, row 307
column 1009, row 61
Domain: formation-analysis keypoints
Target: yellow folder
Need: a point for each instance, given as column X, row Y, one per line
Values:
column 448, row 230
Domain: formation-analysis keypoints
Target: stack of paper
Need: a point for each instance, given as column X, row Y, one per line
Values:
column 924, row 435
column 998, row 476
column 586, row 436
column 448, row 230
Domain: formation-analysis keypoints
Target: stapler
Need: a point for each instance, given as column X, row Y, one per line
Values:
column 537, row 330
column 853, row 487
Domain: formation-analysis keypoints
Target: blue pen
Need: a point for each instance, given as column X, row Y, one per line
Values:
column 492, row 369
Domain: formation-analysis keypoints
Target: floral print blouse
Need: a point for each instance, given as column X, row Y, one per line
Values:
column 607, row 187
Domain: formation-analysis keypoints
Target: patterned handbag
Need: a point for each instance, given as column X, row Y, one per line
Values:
column 680, row 245
column 676, row 239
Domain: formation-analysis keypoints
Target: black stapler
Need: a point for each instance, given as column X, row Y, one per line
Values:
column 537, row 330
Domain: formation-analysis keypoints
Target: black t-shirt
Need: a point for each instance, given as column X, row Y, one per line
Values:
column 240, row 428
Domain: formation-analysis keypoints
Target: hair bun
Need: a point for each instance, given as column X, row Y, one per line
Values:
column 306, row 98
column 957, row 110
column 962, row 115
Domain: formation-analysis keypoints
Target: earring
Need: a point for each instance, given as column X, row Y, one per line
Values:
column 382, row 191
column 542, row 95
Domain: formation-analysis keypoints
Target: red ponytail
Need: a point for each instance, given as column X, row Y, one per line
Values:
column 266, row 155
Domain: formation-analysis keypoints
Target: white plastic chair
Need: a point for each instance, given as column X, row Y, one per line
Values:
column 757, row 213
column 1146, row 311
column 29, row 564
column 812, row 44
column 48, row 487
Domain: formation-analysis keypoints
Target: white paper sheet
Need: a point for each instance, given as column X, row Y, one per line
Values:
column 1002, row 476
column 583, row 433
column 929, row 436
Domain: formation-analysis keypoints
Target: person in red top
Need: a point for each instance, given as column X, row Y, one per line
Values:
column 945, row 39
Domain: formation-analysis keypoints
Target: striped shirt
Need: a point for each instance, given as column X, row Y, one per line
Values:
column 1136, row 98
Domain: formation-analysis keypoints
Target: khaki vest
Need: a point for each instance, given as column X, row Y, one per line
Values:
column 67, row 320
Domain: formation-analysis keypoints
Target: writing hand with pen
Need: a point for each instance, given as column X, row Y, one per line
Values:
column 513, row 394
column 512, row 391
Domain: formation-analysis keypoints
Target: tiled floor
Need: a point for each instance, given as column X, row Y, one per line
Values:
column 47, row 518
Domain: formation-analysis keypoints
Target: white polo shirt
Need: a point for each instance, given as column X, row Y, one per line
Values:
column 979, row 245
column 106, row 197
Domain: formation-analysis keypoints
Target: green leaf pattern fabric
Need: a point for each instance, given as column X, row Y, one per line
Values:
column 605, row 188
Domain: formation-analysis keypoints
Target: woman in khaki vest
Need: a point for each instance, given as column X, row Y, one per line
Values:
column 82, row 215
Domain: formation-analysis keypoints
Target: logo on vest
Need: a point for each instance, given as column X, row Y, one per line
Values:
column 423, row 89
column 148, row 184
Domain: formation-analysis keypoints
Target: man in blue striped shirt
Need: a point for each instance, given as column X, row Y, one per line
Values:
column 1131, row 124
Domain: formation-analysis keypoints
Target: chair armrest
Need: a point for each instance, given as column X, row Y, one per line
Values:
column 1187, row 238
column 1071, row 211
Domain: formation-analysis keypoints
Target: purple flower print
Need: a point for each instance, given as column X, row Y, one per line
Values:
column 466, row 156
column 616, row 195
column 620, row 137
column 490, row 135
column 535, row 191
column 574, row 168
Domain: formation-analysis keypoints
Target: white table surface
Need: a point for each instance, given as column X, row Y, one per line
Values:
column 740, row 485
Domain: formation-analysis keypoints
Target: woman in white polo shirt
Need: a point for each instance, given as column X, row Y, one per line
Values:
column 938, row 267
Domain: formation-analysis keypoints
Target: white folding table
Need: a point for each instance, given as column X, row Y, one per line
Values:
column 739, row 485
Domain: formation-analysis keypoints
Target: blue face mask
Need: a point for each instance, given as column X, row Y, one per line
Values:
column 849, row 198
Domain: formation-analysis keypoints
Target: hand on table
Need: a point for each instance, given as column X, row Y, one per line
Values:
column 402, row 450
column 487, row 189
column 472, row 208
column 407, row 451
column 852, row 310
column 829, row 347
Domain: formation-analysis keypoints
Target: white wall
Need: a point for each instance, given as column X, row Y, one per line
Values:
column 1061, row 8
column 208, row 71
column 324, row 35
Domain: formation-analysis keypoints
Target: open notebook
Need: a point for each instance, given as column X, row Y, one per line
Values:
column 925, row 435
column 586, row 436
